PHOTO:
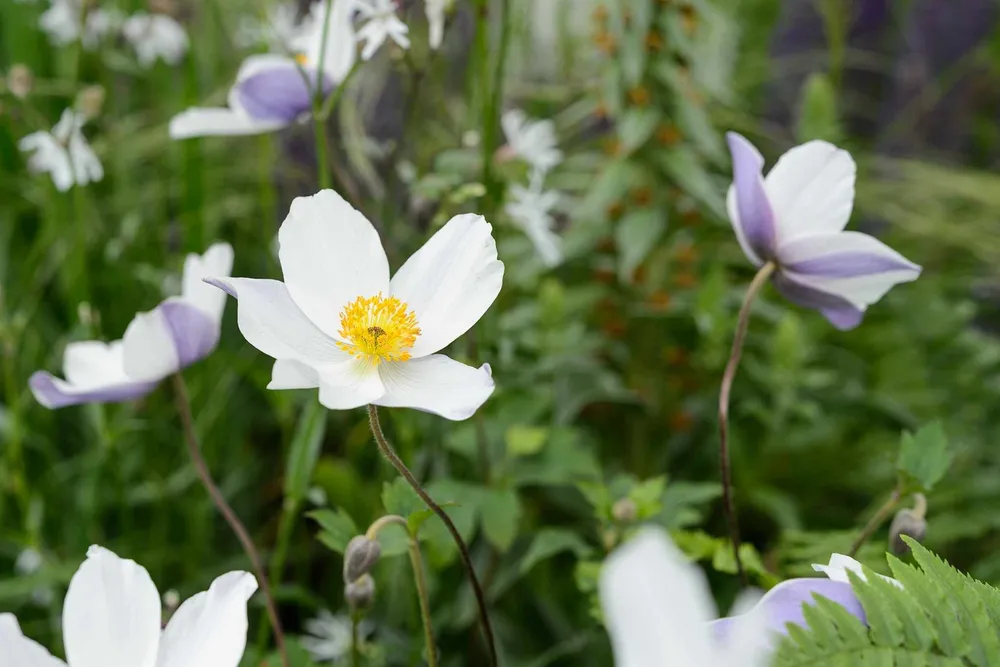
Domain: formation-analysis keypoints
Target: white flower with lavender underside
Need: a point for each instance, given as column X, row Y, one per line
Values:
column 177, row 333
column 659, row 610
column 795, row 218
column 531, row 209
column 381, row 24
column 63, row 153
column 339, row 324
column 274, row 91
column 533, row 141
column 112, row 618
column 155, row 36
column 63, row 19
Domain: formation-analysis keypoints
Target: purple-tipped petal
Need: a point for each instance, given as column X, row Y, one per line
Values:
column 755, row 217
column 849, row 265
column 53, row 392
column 277, row 94
column 194, row 333
column 839, row 311
column 783, row 604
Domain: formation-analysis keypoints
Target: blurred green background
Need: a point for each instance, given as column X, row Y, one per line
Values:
column 607, row 366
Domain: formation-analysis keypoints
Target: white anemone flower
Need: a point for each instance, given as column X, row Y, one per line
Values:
column 435, row 10
column 112, row 618
column 329, row 637
column 534, row 141
column 63, row 19
column 63, row 153
column 381, row 23
column 274, row 91
column 338, row 323
column 531, row 209
column 156, row 36
column 177, row 333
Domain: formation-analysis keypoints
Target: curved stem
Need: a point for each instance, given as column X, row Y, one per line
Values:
column 877, row 520
column 397, row 463
column 742, row 324
column 425, row 608
column 184, row 408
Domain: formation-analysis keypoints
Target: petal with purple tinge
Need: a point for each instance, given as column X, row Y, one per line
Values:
column 747, row 202
column 854, row 266
column 783, row 604
column 168, row 338
column 277, row 94
column 53, row 392
column 839, row 311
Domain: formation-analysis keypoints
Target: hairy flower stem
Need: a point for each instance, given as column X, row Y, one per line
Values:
column 883, row 513
column 397, row 463
column 184, row 408
column 742, row 324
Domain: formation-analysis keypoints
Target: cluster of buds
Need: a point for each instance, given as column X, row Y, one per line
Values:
column 360, row 557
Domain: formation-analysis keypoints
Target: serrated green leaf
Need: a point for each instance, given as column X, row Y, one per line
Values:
column 336, row 528
column 924, row 457
column 399, row 498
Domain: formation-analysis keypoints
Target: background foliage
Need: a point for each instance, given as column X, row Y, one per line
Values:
column 607, row 367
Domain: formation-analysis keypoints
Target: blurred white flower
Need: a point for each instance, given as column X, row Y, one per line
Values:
column 339, row 324
column 62, row 21
column 171, row 599
column 155, row 36
column 28, row 561
column 329, row 637
column 381, row 23
column 63, row 153
column 317, row 496
column 532, row 141
column 177, row 333
column 531, row 209
column 435, row 10
column 658, row 608
column 111, row 617
column 279, row 30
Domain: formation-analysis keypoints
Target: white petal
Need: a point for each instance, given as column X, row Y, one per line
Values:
column 450, row 282
column 149, row 348
column 341, row 45
column 656, row 605
column 436, row 384
column 750, row 643
column 217, row 262
column 854, row 266
column 330, row 255
column 93, row 363
column 16, row 650
column 111, row 616
column 351, row 385
column 291, row 374
column 210, row 628
column 272, row 323
column 218, row 122
column 811, row 189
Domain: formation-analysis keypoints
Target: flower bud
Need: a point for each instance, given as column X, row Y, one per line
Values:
column 91, row 101
column 909, row 522
column 19, row 81
column 624, row 511
column 360, row 557
column 360, row 594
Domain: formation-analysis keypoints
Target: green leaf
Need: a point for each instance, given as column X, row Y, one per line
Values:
column 525, row 440
column 399, row 498
column 304, row 451
column 336, row 528
column 647, row 497
column 637, row 126
column 818, row 118
column 461, row 502
column 924, row 457
column 548, row 542
column 501, row 513
column 636, row 235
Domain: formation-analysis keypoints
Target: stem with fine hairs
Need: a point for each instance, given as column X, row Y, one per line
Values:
column 191, row 437
column 397, row 463
column 742, row 324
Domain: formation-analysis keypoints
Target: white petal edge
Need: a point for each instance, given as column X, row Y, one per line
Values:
column 218, row 122
column 750, row 643
column 111, row 615
column 811, row 189
column 210, row 629
column 450, row 282
column 330, row 255
column 94, row 363
column 840, row 565
column 436, row 384
column 291, row 374
column 16, row 650
column 148, row 347
column 656, row 605
column 217, row 261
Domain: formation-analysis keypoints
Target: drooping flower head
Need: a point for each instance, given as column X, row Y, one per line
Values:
column 273, row 91
column 659, row 610
column 63, row 153
column 795, row 218
column 155, row 36
column 112, row 618
column 172, row 336
column 381, row 24
column 533, row 141
column 339, row 324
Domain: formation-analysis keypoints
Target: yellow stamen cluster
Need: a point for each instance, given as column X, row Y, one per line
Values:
column 378, row 328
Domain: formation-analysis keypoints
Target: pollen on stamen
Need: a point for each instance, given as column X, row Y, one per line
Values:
column 378, row 329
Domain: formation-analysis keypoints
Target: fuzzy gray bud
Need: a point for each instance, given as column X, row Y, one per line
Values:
column 360, row 557
column 360, row 594
column 624, row 511
column 906, row 522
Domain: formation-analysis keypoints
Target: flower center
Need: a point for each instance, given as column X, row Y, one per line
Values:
column 378, row 328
